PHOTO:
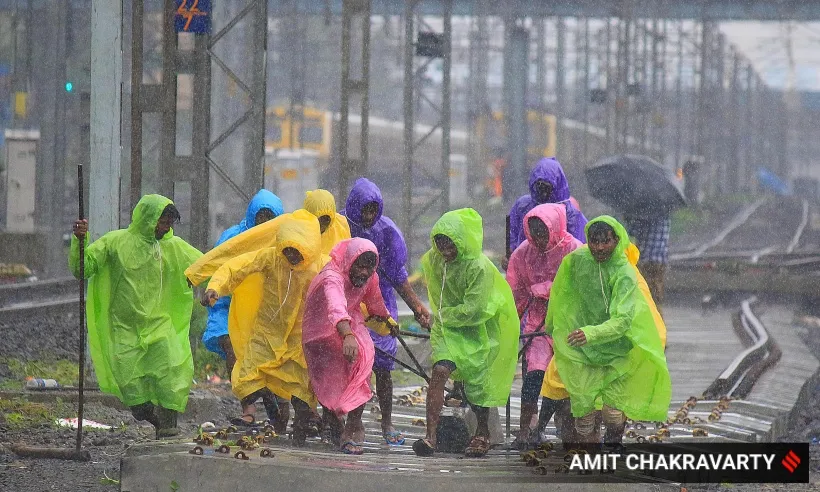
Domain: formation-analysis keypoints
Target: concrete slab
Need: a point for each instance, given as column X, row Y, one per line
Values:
column 301, row 470
column 701, row 345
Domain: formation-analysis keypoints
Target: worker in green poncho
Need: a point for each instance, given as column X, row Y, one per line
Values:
column 139, row 312
column 475, row 328
column 605, row 339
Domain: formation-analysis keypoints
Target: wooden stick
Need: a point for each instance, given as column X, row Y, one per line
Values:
column 51, row 453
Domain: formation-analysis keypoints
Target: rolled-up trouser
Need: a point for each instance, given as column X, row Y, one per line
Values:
column 614, row 424
column 588, row 427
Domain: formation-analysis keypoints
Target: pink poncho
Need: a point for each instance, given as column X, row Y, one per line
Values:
column 530, row 275
column 339, row 385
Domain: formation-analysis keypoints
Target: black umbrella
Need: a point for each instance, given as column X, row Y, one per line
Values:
column 634, row 183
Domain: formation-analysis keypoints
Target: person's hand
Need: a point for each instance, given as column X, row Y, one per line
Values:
column 423, row 317
column 505, row 262
column 577, row 339
column 209, row 298
column 350, row 348
column 80, row 228
column 395, row 329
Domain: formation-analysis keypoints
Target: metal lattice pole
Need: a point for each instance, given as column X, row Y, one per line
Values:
column 354, row 85
column 441, row 48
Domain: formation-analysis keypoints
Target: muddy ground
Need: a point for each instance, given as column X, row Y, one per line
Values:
column 106, row 446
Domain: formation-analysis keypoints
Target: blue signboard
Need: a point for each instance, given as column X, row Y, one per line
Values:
column 193, row 16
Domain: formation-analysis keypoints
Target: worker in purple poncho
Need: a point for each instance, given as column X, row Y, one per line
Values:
column 363, row 210
column 548, row 184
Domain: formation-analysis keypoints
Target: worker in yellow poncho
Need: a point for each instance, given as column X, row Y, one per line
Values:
column 320, row 203
column 334, row 226
column 268, row 345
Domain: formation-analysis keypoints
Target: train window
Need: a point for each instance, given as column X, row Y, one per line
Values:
column 273, row 132
column 311, row 134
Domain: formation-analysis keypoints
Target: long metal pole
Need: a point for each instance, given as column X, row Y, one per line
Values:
column 137, row 12
column 344, row 110
column 679, row 99
column 661, row 104
column 734, row 117
column 408, row 125
column 364, row 84
column 576, row 82
column 106, row 112
column 255, row 140
column 540, row 62
column 560, row 76
column 700, row 129
column 81, row 347
column 201, row 143
column 169, row 97
column 623, row 80
column 717, row 141
column 645, row 71
column 586, row 96
column 612, row 92
column 445, row 106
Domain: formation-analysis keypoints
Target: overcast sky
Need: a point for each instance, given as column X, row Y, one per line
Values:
column 765, row 44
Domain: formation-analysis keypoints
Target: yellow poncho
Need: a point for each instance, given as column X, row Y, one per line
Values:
column 319, row 203
column 268, row 341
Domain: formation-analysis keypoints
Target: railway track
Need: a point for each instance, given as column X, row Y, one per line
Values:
column 38, row 291
column 781, row 234
column 44, row 298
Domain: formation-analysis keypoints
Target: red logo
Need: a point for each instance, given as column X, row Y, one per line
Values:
column 791, row 461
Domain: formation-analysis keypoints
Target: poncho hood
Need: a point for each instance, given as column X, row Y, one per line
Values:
column 363, row 192
column 346, row 252
column 619, row 255
column 319, row 203
column 263, row 199
column 465, row 228
column 146, row 215
column 554, row 216
column 301, row 232
column 549, row 169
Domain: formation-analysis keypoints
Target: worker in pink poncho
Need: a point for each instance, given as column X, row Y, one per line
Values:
column 337, row 345
column 532, row 269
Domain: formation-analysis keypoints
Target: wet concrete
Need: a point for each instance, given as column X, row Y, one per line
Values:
column 302, row 470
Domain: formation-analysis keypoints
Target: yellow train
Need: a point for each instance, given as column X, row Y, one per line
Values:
column 313, row 130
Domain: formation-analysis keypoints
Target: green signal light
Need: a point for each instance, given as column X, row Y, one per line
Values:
column 69, row 87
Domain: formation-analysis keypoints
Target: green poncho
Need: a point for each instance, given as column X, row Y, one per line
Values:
column 139, row 310
column 623, row 361
column 475, row 323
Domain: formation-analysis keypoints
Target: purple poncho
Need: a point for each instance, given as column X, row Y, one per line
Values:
column 392, row 249
column 548, row 169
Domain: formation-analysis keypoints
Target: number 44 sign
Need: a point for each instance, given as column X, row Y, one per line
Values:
column 193, row 16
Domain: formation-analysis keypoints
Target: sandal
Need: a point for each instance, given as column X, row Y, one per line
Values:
column 520, row 443
column 422, row 447
column 312, row 427
column 352, row 447
column 478, row 447
column 244, row 422
column 393, row 438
